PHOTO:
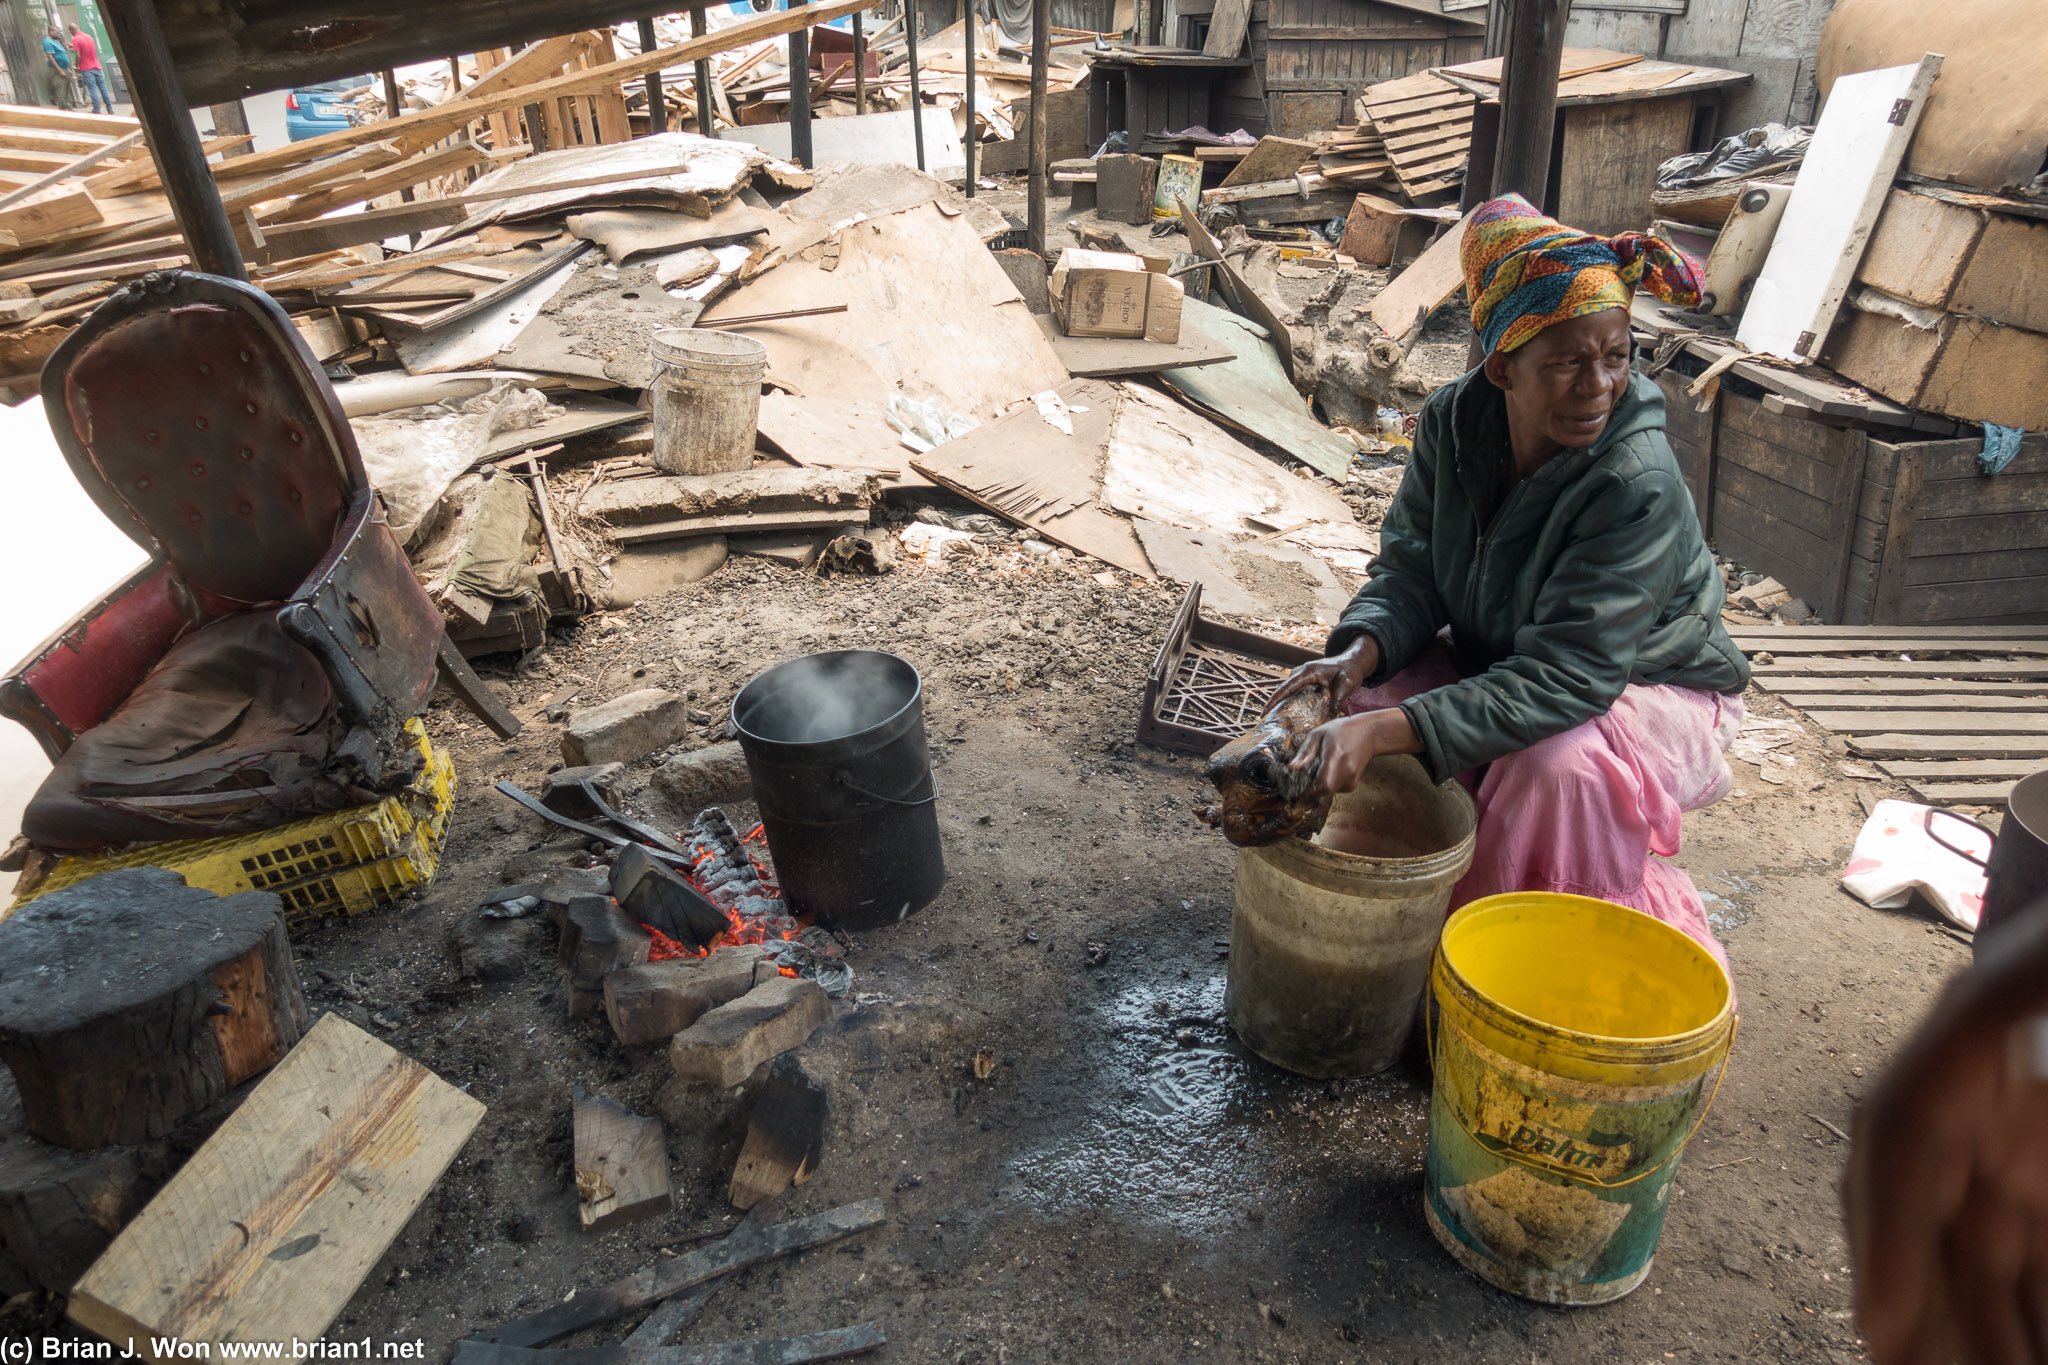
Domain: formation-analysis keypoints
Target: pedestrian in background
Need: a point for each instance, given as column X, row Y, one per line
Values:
column 89, row 72
column 63, row 80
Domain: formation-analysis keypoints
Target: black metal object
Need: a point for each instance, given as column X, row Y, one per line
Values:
column 835, row 744
column 162, row 108
column 657, row 108
column 2016, row 873
column 1040, row 177
column 916, row 100
column 707, row 110
column 968, row 32
column 800, row 93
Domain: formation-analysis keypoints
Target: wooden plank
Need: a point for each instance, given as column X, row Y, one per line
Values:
column 1424, row 286
column 36, row 140
column 785, row 1135
column 1792, row 688
column 1933, row 722
column 418, row 170
column 1941, row 746
column 748, row 1244
column 141, row 174
column 1228, row 25
column 75, row 166
column 531, row 65
column 621, row 1163
column 1977, row 669
column 1930, row 701
column 422, row 127
column 1766, row 634
column 1610, row 160
column 1275, row 158
column 1963, row 769
column 57, row 211
column 1973, row 535
column 1851, row 162
column 1996, row 600
column 835, row 1343
column 1933, row 641
column 271, row 1226
column 1908, row 475
column 1575, row 61
column 740, row 524
column 66, row 120
column 1962, row 793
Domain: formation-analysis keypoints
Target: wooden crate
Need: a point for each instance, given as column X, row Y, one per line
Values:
column 1937, row 542
column 1867, row 529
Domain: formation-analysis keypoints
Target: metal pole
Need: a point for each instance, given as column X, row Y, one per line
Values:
column 1040, row 182
column 160, row 105
column 231, row 120
column 860, row 67
column 391, row 110
column 967, row 31
column 657, row 107
column 800, row 93
column 1528, row 97
column 707, row 108
column 916, row 100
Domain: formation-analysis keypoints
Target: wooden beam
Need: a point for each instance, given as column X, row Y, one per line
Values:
column 621, row 1164
column 1940, row 746
column 424, row 126
column 141, row 174
column 1933, row 722
column 1900, row 668
column 430, row 165
column 73, row 167
column 271, row 1226
column 65, row 120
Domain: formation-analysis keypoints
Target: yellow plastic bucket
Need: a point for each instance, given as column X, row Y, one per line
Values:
column 1573, row 1044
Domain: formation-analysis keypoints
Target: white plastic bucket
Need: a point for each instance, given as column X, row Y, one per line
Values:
column 707, row 400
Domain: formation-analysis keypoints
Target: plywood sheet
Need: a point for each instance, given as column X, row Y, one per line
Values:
column 629, row 232
column 868, row 138
column 1575, row 61
column 1046, row 476
column 1252, row 393
column 1244, row 577
column 930, row 314
column 1842, row 182
column 1107, row 357
column 826, row 433
column 1424, row 286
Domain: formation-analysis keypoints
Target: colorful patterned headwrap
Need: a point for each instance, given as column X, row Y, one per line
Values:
column 1525, row 271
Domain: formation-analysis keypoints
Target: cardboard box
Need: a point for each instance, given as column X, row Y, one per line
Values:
column 1960, row 260
column 1114, row 294
column 1963, row 367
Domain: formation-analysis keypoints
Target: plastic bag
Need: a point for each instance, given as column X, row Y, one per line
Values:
column 1904, row 847
column 924, row 423
column 413, row 455
column 1773, row 147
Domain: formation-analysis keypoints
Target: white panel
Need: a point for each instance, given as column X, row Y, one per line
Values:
column 869, row 139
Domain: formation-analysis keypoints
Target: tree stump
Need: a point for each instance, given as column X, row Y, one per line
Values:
column 132, row 1000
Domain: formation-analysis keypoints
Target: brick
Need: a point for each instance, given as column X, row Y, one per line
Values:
column 598, row 938
column 655, row 1001
column 625, row 728
column 711, row 776
column 726, row 1045
column 560, row 792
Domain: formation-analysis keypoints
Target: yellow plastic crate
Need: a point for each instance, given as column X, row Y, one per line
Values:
column 344, row 863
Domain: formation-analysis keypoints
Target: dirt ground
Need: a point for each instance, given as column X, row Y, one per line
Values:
column 1109, row 1193
column 1128, row 1184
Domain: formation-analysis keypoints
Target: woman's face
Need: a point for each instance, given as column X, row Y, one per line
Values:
column 1562, row 384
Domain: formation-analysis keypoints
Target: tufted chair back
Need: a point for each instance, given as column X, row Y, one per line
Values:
column 235, row 469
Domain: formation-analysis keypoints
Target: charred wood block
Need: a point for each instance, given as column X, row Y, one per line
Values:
column 657, row 897
column 1124, row 188
column 785, row 1135
column 132, row 1000
column 598, row 938
column 621, row 1164
column 725, row 1046
column 657, row 1000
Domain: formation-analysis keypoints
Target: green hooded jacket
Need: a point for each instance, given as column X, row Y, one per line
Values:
column 1559, row 591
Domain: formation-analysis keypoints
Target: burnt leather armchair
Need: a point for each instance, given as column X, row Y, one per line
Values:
column 260, row 667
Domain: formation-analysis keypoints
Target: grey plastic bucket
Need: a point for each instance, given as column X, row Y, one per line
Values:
column 707, row 400
column 836, row 747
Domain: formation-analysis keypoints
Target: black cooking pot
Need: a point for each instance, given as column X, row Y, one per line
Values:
column 2016, row 872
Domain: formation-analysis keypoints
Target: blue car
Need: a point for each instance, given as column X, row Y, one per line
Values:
column 310, row 110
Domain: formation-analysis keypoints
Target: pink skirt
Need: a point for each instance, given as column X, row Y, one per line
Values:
column 1593, row 811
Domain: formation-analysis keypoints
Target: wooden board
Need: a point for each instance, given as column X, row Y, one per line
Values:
column 1932, row 642
column 52, row 212
column 1611, row 155
column 1850, row 164
column 1932, row 702
column 269, row 1229
column 1024, row 468
column 1765, row 636
column 1942, row 746
column 785, row 1135
column 1932, row 722
column 1228, row 24
column 1791, row 687
column 1275, row 158
column 1919, row 668
column 1962, row 793
column 1574, row 61
column 1411, row 296
column 1107, row 357
column 1252, row 393
column 1963, row 769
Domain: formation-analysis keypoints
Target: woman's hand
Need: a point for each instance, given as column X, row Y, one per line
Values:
column 1341, row 749
column 1341, row 673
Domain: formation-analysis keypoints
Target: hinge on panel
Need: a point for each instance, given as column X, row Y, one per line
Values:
column 1900, row 108
column 1803, row 346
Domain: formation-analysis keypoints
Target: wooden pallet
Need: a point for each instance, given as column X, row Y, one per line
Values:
column 1960, row 719
column 1426, row 124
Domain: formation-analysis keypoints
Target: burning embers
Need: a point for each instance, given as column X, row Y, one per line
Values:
column 736, row 874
